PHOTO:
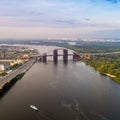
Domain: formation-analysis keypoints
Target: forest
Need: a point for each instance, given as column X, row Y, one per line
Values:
column 95, row 47
column 108, row 65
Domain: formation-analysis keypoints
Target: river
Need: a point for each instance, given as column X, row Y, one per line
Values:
column 71, row 91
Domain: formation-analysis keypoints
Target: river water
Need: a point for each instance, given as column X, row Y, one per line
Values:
column 71, row 91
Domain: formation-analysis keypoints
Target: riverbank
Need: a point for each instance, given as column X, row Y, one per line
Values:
column 8, row 85
column 8, row 81
column 109, row 75
column 105, row 66
column 113, row 77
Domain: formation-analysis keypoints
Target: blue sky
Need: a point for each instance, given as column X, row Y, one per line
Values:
column 36, row 19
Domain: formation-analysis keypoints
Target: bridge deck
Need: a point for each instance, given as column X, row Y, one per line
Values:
column 61, row 55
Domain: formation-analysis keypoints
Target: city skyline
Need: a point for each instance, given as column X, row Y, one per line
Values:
column 28, row 19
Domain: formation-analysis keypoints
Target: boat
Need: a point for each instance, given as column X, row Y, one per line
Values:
column 34, row 107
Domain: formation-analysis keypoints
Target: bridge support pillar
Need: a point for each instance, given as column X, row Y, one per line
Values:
column 65, row 55
column 39, row 59
column 55, row 56
column 76, row 57
column 44, row 58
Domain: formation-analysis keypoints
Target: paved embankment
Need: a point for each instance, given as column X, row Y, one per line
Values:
column 6, row 79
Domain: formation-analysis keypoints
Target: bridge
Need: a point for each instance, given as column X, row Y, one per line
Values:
column 64, row 54
column 76, row 57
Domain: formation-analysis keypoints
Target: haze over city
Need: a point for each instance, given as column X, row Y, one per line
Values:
column 36, row 19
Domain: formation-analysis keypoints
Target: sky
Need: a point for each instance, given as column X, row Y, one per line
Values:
column 37, row 19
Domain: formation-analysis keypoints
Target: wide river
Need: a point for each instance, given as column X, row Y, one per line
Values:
column 71, row 91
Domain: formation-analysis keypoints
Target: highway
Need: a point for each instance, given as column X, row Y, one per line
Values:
column 108, row 53
column 13, row 74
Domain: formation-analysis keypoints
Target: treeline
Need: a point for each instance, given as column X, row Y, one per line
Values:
column 95, row 48
column 106, row 64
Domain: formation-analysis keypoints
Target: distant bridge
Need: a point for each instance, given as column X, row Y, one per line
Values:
column 55, row 55
column 43, row 57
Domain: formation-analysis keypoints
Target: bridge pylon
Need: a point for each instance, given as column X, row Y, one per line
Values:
column 65, row 55
column 44, row 58
column 55, row 56
column 76, row 57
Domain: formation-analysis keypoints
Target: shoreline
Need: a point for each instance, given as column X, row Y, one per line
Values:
column 10, row 83
column 113, row 77
column 109, row 75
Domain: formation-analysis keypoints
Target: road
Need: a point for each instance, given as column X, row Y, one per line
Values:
column 13, row 74
column 108, row 53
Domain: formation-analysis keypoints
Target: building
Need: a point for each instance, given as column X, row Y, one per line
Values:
column 4, row 67
column 17, row 61
column 12, row 62
column 87, row 56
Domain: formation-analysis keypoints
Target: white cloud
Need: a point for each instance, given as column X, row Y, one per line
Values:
column 44, row 18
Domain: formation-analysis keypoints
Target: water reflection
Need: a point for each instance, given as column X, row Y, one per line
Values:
column 62, row 91
column 55, row 62
column 65, row 62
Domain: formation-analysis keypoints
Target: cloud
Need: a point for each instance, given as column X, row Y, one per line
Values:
column 106, row 33
column 37, row 32
column 36, row 13
column 113, row 1
column 66, row 21
column 87, row 19
column 64, row 17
